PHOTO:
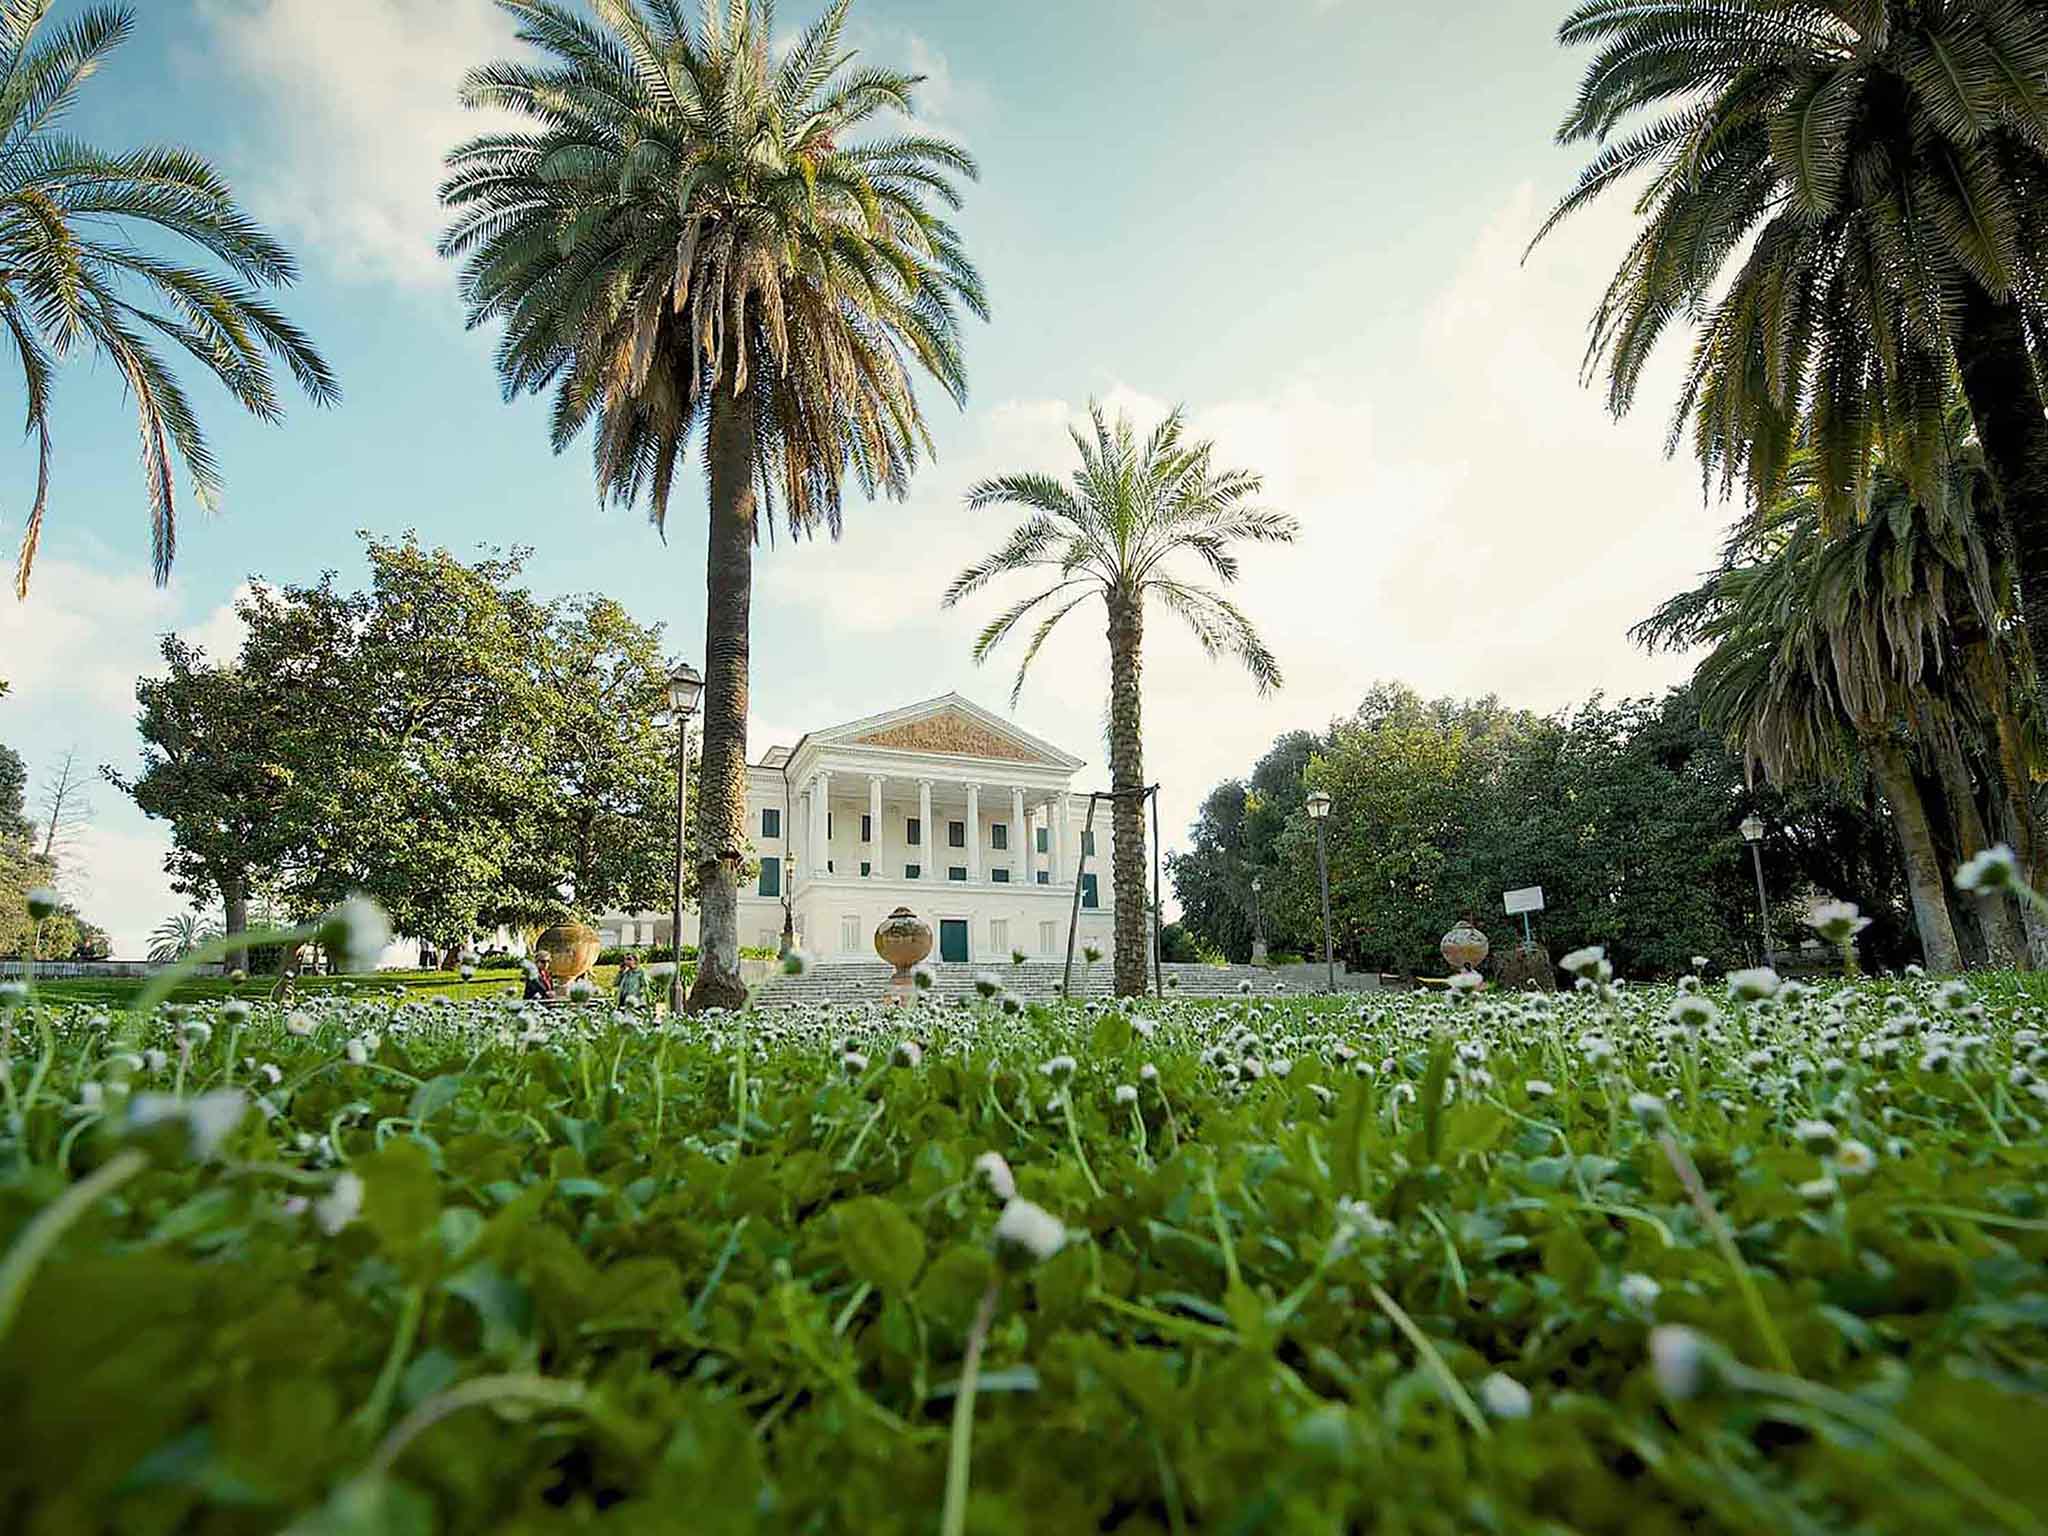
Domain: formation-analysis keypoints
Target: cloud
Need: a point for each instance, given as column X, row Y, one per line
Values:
column 355, row 108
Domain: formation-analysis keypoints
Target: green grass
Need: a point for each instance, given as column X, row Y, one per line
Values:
column 1380, row 1264
column 120, row 991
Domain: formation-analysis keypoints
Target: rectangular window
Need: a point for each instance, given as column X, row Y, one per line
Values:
column 957, row 872
column 956, row 834
column 867, row 828
column 866, row 869
column 771, row 877
column 1045, row 840
column 1089, row 897
column 999, row 935
column 913, row 871
column 1045, row 938
column 1088, row 844
column 1000, row 874
column 771, row 822
column 849, row 934
column 913, row 831
column 1045, row 877
column 828, row 823
column 999, row 835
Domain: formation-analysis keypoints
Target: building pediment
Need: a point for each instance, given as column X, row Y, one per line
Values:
column 949, row 727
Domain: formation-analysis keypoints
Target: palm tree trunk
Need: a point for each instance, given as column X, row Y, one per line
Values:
column 1993, row 688
column 1999, row 914
column 1924, row 881
column 1127, row 779
column 2006, row 404
column 722, row 769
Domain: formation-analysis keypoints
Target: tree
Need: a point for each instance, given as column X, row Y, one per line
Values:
column 1113, row 535
column 86, row 239
column 1877, row 174
column 1624, row 813
column 688, row 236
column 1233, row 842
column 1832, row 653
column 219, row 764
column 608, row 766
column 441, row 741
column 178, row 935
column 62, row 806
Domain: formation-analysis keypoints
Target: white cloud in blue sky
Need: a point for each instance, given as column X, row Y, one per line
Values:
column 1304, row 220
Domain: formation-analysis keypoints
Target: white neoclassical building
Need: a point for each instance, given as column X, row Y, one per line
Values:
column 942, row 807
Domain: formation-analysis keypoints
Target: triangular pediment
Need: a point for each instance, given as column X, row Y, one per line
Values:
column 949, row 727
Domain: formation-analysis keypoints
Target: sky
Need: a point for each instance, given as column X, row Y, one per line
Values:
column 1304, row 220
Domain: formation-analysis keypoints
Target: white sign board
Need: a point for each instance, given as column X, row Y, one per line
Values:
column 1528, row 899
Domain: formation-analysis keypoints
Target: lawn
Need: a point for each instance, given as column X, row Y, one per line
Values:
column 120, row 991
column 1644, row 1261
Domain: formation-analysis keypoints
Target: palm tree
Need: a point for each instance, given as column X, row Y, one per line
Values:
column 1888, row 643
column 178, row 935
column 1131, row 508
column 1876, row 171
column 687, row 237
column 82, row 245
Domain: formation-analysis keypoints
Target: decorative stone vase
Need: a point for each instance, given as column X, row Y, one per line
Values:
column 570, row 950
column 1465, row 948
column 903, row 939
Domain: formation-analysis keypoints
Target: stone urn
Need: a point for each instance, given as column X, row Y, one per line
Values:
column 1465, row 948
column 570, row 950
column 902, row 938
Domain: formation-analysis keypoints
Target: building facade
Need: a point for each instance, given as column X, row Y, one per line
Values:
column 942, row 807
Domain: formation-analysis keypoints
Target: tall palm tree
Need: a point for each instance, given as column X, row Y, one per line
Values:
column 1876, row 173
column 1131, row 509
column 82, row 249
column 686, row 237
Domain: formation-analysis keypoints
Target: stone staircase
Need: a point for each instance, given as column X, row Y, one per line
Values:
column 863, row 981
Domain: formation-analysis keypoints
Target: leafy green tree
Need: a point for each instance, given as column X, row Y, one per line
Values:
column 1112, row 535
column 605, row 820
column 1849, row 200
column 218, row 765
column 87, row 240
column 688, row 235
column 1624, row 813
column 1234, row 842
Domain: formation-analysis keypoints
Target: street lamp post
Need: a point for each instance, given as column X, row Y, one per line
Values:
column 1319, row 812
column 1258, row 922
column 685, row 686
column 1753, row 834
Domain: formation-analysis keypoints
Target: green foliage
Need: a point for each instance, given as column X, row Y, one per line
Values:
column 444, row 742
column 463, row 1271
column 92, row 240
column 1624, row 813
column 1837, row 199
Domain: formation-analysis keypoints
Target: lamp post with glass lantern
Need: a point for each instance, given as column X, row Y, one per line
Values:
column 685, row 686
column 1753, row 834
column 1319, row 813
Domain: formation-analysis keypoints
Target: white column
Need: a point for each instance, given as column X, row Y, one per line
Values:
column 925, row 857
column 875, row 821
column 821, row 822
column 1017, row 834
column 973, row 833
column 800, row 862
column 1063, row 851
